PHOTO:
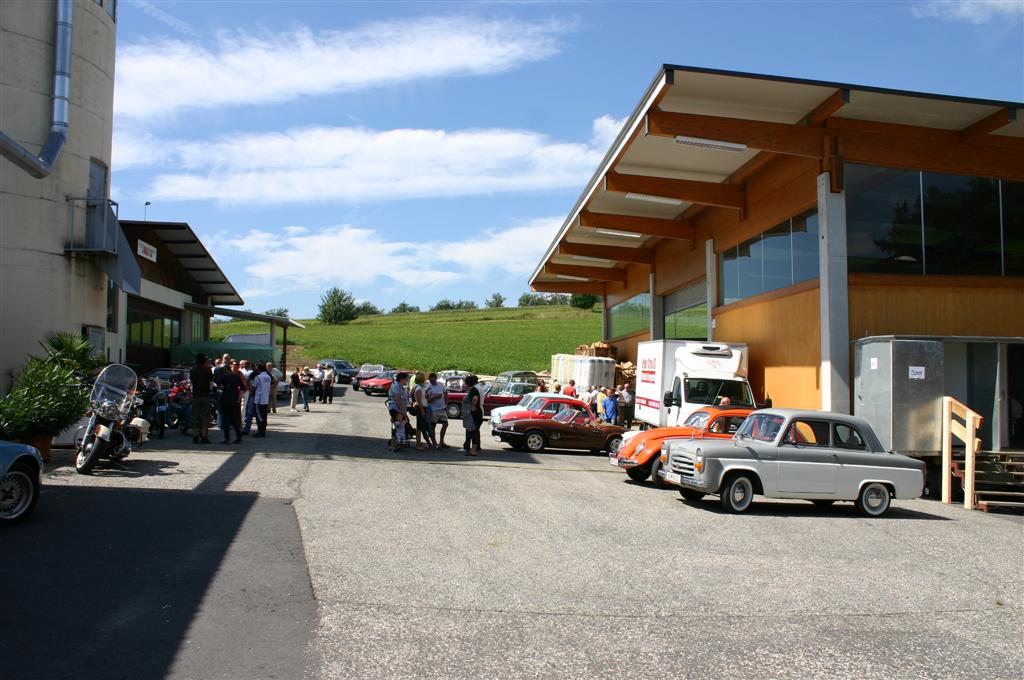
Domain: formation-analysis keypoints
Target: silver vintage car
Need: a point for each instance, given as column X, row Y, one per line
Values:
column 785, row 453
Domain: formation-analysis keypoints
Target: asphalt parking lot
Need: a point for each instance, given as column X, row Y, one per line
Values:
column 315, row 553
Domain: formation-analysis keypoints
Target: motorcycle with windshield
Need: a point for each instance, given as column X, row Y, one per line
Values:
column 114, row 426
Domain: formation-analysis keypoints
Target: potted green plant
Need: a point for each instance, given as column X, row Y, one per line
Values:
column 48, row 397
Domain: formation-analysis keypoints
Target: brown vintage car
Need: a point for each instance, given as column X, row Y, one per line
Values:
column 569, row 429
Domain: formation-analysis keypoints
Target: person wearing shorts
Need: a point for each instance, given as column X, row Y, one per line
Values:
column 438, row 408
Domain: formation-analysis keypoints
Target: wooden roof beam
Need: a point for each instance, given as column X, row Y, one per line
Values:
column 781, row 138
column 596, row 273
column 648, row 226
column 611, row 253
column 691, row 191
column 988, row 124
column 581, row 288
column 825, row 110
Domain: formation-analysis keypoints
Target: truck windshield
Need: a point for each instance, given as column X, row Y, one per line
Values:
column 711, row 391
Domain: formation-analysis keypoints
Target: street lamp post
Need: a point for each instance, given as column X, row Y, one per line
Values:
column 145, row 211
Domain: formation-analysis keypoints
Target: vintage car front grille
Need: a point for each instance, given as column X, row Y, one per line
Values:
column 682, row 464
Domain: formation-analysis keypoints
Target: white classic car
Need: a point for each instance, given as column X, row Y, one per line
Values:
column 785, row 453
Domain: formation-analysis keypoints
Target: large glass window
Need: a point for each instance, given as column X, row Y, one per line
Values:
column 113, row 295
column 1013, row 227
column 782, row 256
column 910, row 222
column 629, row 317
column 152, row 329
column 961, row 225
column 883, row 220
column 687, row 324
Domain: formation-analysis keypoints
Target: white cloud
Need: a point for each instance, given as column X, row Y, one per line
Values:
column 305, row 261
column 358, row 164
column 161, row 77
column 605, row 130
column 973, row 11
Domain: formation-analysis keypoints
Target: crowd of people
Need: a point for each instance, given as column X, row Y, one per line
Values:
column 319, row 382
column 242, row 392
column 615, row 405
column 425, row 401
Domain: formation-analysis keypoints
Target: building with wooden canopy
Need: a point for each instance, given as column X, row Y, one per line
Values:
column 798, row 216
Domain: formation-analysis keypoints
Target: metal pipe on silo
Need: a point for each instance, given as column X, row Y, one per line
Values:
column 40, row 166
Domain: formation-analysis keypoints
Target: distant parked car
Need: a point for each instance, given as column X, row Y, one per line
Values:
column 366, row 371
column 21, row 476
column 167, row 377
column 570, row 429
column 382, row 383
column 451, row 373
column 785, row 453
column 343, row 370
column 510, row 395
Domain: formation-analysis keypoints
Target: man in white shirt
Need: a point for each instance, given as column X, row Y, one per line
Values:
column 327, row 386
column 262, row 383
column 627, row 402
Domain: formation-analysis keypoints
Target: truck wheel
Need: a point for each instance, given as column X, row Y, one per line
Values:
column 656, row 479
column 535, row 441
column 691, row 495
column 453, row 410
column 874, row 499
column 737, row 493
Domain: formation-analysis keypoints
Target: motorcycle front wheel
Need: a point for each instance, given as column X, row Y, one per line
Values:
column 89, row 453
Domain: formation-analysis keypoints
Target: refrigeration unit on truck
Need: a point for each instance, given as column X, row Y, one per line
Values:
column 677, row 377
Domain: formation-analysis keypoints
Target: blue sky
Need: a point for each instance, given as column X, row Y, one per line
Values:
column 416, row 151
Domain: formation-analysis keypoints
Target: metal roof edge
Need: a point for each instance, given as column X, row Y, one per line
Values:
column 240, row 314
column 661, row 79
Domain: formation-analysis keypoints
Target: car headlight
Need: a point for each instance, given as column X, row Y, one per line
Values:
column 641, row 447
column 698, row 461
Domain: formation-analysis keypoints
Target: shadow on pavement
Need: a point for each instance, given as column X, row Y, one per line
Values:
column 808, row 509
column 104, row 583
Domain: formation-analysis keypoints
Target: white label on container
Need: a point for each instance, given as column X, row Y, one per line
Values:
column 874, row 363
column 917, row 372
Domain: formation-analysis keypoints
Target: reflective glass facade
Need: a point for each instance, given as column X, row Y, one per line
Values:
column 629, row 317
column 782, row 256
column 909, row 222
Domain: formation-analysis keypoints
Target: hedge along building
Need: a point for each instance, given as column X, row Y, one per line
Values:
column 59, row 239
column 797, row 216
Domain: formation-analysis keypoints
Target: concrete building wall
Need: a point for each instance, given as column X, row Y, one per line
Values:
column 41, row 288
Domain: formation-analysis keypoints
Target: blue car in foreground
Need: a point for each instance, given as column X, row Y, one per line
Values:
column 21, row 475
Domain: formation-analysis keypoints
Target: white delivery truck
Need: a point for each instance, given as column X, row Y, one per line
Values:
column 674, row 378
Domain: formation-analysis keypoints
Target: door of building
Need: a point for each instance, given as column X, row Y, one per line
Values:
column 1015, row 394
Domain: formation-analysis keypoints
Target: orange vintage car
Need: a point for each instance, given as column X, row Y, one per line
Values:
column 639, row 455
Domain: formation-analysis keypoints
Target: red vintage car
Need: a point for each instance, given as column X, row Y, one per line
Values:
column 382, row 383
column 510, row 395
column 539, row 405
column 569, row 429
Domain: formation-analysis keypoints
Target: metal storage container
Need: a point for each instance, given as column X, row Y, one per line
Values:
column 598, row 371
column 898, row 388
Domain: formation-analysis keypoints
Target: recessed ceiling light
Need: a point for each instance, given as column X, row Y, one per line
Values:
column 662, row 200
column 710, row 144
column 616, row 232
column 571, row 278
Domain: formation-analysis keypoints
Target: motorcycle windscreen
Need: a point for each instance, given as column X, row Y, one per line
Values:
column 117, row 383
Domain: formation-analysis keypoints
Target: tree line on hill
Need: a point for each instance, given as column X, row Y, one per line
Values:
column 338, row 306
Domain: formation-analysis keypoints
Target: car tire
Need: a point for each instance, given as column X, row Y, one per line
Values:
column 639, row 473
column 535, row 441
column 453, row 410
column 691, row 495
column 737, row 493
column 19, row 493
column 656, row 480
column 823, row 502
column 874, row 499
column 367, row 393
column 614, row 444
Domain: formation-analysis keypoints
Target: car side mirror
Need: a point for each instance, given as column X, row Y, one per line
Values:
column 668, row 399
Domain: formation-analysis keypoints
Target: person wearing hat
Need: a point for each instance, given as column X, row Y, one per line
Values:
column 202, row 379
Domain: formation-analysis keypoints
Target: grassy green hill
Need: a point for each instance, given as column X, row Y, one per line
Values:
column 485, row 341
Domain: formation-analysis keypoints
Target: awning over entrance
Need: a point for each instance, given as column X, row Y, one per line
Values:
column 186, row 354
column 698, row 134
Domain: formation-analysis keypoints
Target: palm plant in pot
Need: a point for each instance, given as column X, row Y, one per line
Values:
column 48, row 397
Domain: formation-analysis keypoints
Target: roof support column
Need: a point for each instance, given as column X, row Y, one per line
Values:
column 834, row 298
column 657, row 311
column 605, row 325
column 711, row 279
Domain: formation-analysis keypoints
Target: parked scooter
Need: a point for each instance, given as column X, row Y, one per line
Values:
column 114, row 426
column 155, row 407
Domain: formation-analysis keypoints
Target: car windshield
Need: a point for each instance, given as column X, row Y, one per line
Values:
column 713, row 390
column 697, row 420
column 763, row 427
column 370, row 368
column 566, row 415
column 528, row 402
column 341, row 363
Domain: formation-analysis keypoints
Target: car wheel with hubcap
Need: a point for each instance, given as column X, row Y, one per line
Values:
column 691, row 495
column 453, row 410
column 737, row 493
column 874, row 499
column 19, row 491
column 614, row 444
column 535, row 441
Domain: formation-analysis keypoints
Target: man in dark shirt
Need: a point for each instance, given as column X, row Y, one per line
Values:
column 201, row 378
column 231, row 385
